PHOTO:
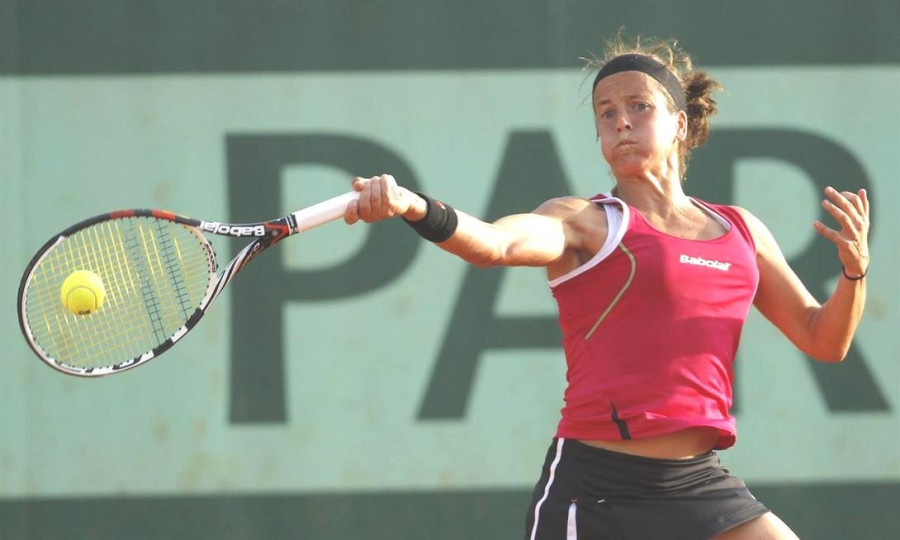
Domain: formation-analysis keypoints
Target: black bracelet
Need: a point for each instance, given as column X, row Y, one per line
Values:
column 439, row 223
column 857, row 278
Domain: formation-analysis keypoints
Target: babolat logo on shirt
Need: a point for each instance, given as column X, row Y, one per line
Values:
column 700, row 261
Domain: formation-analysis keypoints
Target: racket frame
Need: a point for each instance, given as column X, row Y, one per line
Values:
column 264, row 235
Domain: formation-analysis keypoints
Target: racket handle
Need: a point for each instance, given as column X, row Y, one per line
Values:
column 323, row 212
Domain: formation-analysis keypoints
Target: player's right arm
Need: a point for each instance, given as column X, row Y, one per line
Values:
column 546, row 237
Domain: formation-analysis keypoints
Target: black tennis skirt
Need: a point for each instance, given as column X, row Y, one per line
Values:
column 588, row 493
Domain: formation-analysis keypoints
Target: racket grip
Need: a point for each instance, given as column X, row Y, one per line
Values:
column 323, row 212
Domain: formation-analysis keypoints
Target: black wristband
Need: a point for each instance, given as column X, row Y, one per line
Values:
column 854, row 278
column 439, row 223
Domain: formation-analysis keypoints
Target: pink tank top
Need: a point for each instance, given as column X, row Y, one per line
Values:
column 651, row 325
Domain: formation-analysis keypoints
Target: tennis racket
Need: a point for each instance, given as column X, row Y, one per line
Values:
column 159, row 276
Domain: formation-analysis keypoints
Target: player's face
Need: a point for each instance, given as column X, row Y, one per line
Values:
column 637, row 132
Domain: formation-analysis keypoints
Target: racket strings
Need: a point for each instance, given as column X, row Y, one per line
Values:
column 155, row 273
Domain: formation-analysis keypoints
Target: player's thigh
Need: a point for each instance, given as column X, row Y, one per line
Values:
column 766, row 527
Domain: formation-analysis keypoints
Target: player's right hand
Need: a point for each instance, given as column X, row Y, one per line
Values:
column 379, row 198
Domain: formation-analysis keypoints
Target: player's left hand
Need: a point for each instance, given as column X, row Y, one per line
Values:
column 851, row 211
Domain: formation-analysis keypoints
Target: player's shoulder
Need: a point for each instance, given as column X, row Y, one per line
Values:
column 761, row 233
column 741, row 212
column 749, row 218
column 563, row 206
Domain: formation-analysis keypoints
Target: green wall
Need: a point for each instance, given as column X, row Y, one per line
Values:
column 356, row 382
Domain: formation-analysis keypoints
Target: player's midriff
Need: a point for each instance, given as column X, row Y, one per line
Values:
column 682, row 444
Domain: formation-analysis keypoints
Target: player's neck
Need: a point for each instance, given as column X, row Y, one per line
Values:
column 652, row 196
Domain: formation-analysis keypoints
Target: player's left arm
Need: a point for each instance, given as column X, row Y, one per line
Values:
column 822, row 331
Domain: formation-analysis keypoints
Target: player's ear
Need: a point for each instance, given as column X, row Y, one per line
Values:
column 682, row 128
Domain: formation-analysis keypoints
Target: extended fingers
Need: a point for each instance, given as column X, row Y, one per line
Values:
column 840, row 214
column 849, row 209
column 859, row 211
column 830, row 234
column 864, row 201
column 840, row 200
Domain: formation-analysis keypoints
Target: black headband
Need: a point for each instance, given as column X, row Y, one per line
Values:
column 645, row 64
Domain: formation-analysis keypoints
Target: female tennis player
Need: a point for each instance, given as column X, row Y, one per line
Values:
column 653, row 288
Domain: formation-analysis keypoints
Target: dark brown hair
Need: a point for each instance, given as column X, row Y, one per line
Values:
column 698, row 86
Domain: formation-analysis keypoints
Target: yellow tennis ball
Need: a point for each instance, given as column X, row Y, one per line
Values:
column 82, row 292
